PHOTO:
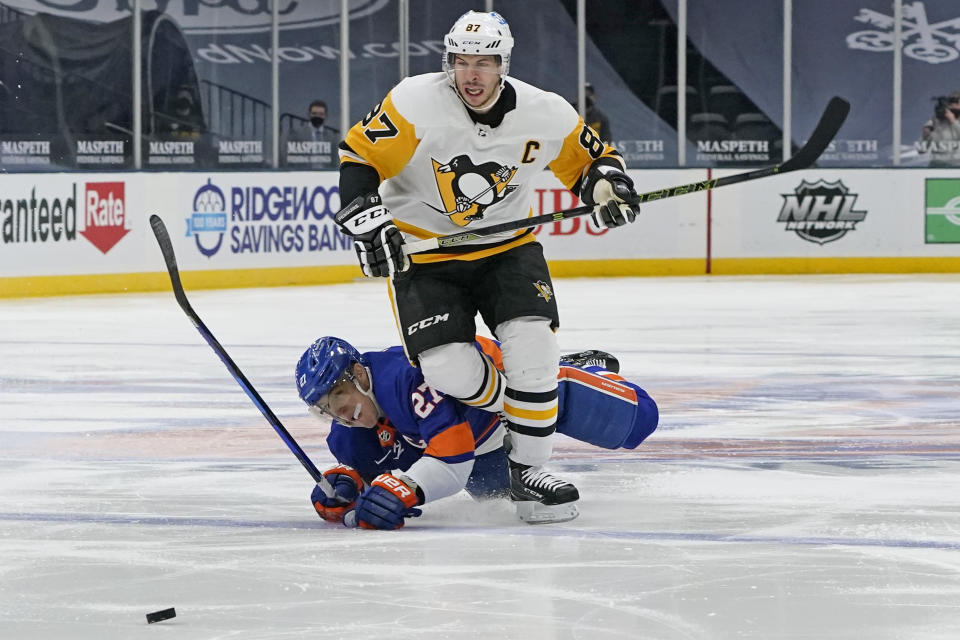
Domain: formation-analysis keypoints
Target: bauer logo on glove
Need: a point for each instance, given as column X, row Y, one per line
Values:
column 386, row 503
column 399, row 489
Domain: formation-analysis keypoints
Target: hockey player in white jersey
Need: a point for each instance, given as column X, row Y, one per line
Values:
column 447, row 151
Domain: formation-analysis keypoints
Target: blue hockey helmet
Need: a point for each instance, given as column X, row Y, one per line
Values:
column 325, row 363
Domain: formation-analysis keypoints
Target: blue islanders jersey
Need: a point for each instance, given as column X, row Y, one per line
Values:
column 595, row 406
column 418, row 421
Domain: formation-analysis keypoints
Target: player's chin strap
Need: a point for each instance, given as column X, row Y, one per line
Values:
column 368, row 393
column 348, row 376
column 492, row 101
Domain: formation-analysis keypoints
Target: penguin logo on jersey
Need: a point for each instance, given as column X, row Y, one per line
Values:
column 546, row 292
column 467, row 189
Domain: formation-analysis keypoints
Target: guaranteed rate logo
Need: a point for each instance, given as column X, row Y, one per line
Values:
column 39, row 218
column 104, row 214
column 820, row 211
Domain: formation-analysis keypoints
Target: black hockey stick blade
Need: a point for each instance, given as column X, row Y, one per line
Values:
column 166, row 248
column 830, row 122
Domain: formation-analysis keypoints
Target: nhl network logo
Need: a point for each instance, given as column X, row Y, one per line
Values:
column 820, row 211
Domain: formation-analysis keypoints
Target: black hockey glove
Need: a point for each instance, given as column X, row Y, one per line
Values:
column 378, row 242
column 611, row 193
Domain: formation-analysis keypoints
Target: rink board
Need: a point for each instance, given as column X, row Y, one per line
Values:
column 89, row 233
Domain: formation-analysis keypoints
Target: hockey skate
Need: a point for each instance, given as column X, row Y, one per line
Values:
column 592, row 358
column 540, row 497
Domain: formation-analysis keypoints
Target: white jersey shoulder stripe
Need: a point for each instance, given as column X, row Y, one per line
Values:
column 428, row 100
column 551, row 115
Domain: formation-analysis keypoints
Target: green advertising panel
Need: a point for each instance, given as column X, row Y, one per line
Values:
column 942, row 210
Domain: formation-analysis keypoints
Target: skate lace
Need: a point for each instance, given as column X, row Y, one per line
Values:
column 541, row 479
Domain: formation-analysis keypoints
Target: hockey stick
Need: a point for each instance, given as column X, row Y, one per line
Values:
column 166, row 247
column 830, row 122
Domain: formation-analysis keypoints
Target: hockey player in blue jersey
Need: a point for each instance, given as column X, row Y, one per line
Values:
column 386, row 418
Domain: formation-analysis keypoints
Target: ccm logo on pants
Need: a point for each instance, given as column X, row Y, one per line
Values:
column 426, row 322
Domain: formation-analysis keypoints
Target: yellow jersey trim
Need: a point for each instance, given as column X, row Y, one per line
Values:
column 384, row 139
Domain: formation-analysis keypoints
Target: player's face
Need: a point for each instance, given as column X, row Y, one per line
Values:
column 348, row 405
column 477, row 78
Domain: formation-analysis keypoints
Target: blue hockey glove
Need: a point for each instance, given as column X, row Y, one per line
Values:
column 376, row 238
column 386, row 503
column 347, row 485
column 611, row 193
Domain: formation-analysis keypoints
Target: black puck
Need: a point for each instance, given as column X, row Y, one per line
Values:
column 158, row 616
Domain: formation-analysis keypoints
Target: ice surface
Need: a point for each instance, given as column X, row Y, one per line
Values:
column 803, row 482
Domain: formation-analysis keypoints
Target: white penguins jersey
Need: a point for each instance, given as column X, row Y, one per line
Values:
column 442, row 173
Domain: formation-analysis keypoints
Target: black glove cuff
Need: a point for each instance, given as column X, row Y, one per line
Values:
column 601, row 169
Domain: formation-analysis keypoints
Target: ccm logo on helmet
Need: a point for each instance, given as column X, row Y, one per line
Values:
column 426, row 322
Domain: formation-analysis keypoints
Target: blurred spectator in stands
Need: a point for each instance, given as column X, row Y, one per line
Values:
column 183, row 117
column 312, row 144
column 595, row 118
column 941, row 134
